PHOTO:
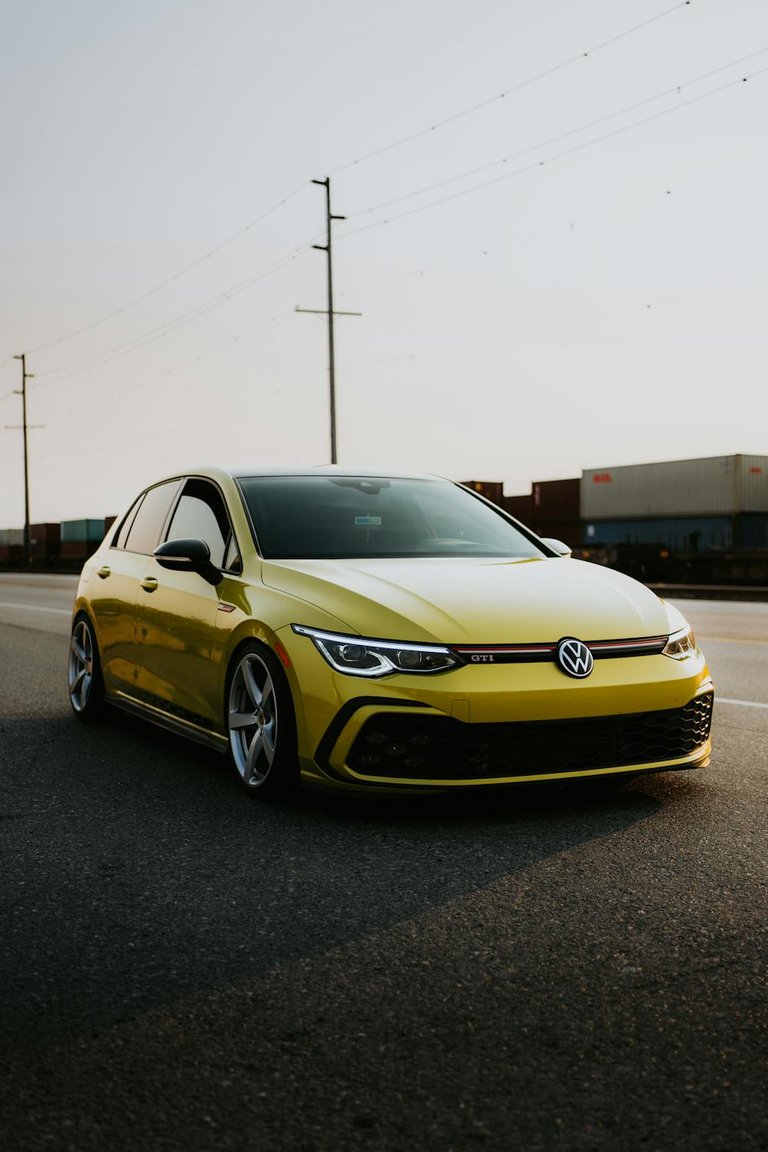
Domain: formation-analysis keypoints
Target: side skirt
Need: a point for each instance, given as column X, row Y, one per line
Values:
column 169, row 723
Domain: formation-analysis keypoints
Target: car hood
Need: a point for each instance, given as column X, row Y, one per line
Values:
column 470, row 600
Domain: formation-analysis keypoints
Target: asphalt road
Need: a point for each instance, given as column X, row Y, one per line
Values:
column 183, row 968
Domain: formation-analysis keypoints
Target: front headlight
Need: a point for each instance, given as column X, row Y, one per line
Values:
column 358, row 656
column 681, row 644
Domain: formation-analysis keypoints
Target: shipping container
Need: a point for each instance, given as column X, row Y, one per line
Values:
column 9, row 537
column 556, row 499
column 91, row 531
column 44, row 539
column 718, row 485
column 739, row 568
column 683, row 534
column 43, row 532
column 521, row 507
column 492, row 489
column 77, row 549
column 568, row 531
column 752, row 532
column 676, row 534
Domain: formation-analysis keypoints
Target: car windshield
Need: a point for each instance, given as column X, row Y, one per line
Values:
column 331, row 517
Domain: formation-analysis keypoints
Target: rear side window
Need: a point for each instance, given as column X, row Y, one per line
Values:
column 125, row 527
column 144, row 532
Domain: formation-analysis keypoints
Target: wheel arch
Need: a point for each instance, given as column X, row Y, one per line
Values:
column 89, row 706
column 256, row 630
column 288, row 772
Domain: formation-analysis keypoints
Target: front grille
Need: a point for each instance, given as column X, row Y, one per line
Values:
column 545, row 652
column 438, row 747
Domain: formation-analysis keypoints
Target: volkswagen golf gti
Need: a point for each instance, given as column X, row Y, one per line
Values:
column 377, row 631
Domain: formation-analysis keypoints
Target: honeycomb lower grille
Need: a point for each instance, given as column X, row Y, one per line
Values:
column 438, row 747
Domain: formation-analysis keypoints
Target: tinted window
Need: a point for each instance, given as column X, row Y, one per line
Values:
column 144, row 533
column 317, row 517
column 200, row 515
column 125, row 527
column 232, row 561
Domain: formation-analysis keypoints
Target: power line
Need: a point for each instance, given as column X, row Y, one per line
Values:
column 284, row 200
column 243, row 337
column 551, row 159
column 202, row 309
column 199, row 310
column 676, row 88
column 171, row 279
column 114, row 353
column 359, row 160
column 479, row 254
column 193, row 314
column 509, row 91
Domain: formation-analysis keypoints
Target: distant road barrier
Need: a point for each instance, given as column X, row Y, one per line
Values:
column 710, row 591
column 754, row 592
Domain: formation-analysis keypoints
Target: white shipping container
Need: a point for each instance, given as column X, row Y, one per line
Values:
column 9, row 537
column 716, row 485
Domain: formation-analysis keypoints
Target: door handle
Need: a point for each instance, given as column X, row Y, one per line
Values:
column 104, row 571
column 149, row 584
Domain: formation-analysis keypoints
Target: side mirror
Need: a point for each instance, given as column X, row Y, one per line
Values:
column 556, row 546
column 188, row 556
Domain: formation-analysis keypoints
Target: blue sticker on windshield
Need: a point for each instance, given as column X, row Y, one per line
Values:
column 368, row 521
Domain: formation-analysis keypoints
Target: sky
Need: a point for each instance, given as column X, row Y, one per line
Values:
column 554, row 236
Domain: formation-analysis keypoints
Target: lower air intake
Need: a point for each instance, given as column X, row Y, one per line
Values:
column 437, row 747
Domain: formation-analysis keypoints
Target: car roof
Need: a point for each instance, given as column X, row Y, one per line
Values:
column 218, row 471
column 329, row 470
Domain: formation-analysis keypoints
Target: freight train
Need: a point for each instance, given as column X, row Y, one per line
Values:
column 695, row 522
column 701, row 521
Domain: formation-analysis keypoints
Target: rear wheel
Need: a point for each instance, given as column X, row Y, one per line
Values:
column 84, row 679
column 260, row 723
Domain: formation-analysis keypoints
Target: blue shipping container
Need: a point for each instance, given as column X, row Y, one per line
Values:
column 91, row 531
column 684, row 534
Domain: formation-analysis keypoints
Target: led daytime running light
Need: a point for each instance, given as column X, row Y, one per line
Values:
column 681, row 644
column 360, row 656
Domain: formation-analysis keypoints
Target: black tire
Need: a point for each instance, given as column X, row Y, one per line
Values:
column 84, row 678
column 260, row 723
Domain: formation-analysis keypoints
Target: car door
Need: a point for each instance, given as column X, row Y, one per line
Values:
column 116, row 585
column 179, row 665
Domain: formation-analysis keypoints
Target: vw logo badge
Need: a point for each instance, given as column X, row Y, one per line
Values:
column 574, row 658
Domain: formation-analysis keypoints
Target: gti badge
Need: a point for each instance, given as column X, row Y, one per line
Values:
column 574, row 658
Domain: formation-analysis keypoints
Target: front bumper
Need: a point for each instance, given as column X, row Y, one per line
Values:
column 503, row 724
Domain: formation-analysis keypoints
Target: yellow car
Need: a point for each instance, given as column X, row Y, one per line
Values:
column 379, row 632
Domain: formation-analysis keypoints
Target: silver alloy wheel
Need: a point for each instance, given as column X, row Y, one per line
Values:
column 252, row 720
column 81, row 665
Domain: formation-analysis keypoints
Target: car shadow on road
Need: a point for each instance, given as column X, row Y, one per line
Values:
column 138, row 869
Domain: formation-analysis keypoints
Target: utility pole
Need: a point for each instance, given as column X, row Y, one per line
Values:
column 329, row 217
column 24, row 377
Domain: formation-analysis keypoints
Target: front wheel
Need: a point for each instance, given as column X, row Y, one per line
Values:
column 84, row 679
column 260, row 723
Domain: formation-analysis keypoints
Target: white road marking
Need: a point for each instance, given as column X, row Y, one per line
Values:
column 37, row 608
column 744, row 703
column 67, row 612
column 729, row 639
